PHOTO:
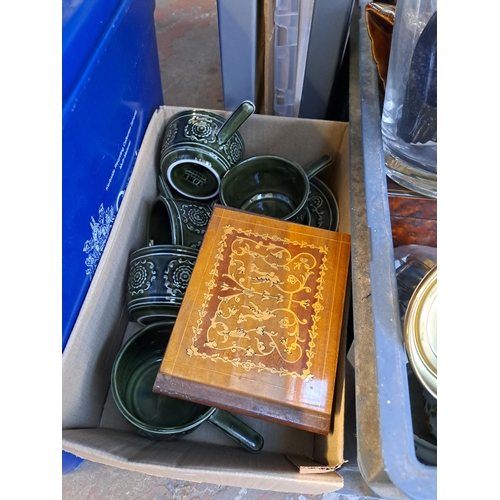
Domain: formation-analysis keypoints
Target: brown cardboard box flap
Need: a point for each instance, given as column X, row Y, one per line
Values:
column 194, row 461
column 307, row 466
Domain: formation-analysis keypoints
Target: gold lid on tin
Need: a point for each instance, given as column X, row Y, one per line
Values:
column 420, row 331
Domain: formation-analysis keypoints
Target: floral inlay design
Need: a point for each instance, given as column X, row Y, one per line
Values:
column 141, row 276
column 177, row 276
column 100, row 232
column 262, row 304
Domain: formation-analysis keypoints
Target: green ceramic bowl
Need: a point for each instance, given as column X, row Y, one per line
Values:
column 157, row 281
column 160, row 417
column 173, row 221
column 270, row 185
column 199, row 147
column 323, row 206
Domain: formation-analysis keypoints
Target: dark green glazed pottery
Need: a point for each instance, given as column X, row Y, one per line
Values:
column 271, row 185
column 160, row 417
column 199, row 147
column 177, row 222
column 164, row 189
column 322, row 206
column 157, row 281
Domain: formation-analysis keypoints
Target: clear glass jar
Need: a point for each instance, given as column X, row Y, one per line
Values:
column 409, row 118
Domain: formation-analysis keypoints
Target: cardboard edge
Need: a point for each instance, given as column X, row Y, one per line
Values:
column 237, row 469
column 307, row 466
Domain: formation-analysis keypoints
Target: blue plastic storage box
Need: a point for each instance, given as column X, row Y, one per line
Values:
column 111, row 87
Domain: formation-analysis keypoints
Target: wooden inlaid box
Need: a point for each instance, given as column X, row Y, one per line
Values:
column 258, row 331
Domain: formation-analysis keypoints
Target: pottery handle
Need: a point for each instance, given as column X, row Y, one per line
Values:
column 238, row 430
column 318, row 165
column 235, row 121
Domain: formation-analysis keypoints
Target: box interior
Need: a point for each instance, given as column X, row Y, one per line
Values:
column 92, row 426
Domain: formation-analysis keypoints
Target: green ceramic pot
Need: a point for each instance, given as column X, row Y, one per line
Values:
column 157, row 281
column 322, row 206
column 271, row 185
column 177, row 222
column 199, row 147
column 164, row 189
column 160, row 417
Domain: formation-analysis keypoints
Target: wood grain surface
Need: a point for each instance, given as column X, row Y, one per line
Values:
column 413, row 217
column 259, row 328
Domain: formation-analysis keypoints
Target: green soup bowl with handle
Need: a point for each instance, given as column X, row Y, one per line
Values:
column 160, row 417
column 271, row 185
column 199, row 147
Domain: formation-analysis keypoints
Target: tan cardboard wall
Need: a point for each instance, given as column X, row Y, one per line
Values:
column 92, row 425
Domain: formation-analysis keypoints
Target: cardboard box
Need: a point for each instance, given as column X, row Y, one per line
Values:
column 292, row 460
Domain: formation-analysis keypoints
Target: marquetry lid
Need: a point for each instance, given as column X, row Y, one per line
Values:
column 259, row 328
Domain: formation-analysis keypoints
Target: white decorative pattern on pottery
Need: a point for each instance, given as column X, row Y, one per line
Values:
column 195, row 217
column 169, row 137
column 234, row 149
column 201, row 129
column 177, row 275
column 315, row 203
column 141, row 277
column 100, row 232
column 301, row 217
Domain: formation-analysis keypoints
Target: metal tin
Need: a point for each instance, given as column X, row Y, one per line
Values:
column 420, row 331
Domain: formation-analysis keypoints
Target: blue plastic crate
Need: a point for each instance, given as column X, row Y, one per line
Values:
column 84, row 24
column 111, row 87
column 70, row 462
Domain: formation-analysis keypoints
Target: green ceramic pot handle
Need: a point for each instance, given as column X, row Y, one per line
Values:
column 235, row 121
column 238, row 430
column 317, row 166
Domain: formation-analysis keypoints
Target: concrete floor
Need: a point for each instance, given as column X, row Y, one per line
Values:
column 188, row 47
column 92, row 481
